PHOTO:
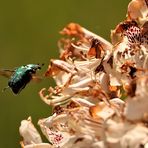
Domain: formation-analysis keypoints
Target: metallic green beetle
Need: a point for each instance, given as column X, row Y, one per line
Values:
column 21, row 76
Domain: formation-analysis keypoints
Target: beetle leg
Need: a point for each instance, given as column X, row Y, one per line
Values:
column 5, row 88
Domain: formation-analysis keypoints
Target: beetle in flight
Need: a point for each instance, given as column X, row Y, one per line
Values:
column 20, row 77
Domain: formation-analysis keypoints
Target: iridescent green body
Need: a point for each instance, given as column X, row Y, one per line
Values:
column 22, row 76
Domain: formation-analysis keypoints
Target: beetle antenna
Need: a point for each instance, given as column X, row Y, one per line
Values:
column 41, row 65
column 5, row 88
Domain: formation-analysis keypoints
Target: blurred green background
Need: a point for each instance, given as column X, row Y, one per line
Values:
column 29, row 31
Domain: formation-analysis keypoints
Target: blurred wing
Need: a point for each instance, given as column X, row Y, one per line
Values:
column 6, row 73
column 37, row 79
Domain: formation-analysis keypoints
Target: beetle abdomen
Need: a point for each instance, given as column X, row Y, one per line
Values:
column 22, row 76
column 19, row 81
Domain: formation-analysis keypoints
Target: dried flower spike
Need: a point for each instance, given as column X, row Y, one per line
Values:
column 100, row 97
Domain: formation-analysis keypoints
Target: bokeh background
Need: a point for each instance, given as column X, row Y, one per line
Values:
column 29, row 31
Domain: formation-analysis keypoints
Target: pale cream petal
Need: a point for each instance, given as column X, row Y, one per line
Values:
column 29, row 132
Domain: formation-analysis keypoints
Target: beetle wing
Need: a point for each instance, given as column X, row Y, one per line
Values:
column 6, row 73
column 37, row 79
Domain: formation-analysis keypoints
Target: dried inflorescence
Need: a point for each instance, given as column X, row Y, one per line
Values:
column 100, row 97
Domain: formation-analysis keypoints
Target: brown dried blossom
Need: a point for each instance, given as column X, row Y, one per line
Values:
column 92, row 77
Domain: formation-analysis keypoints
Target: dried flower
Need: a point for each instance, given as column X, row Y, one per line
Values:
column 92, row 77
